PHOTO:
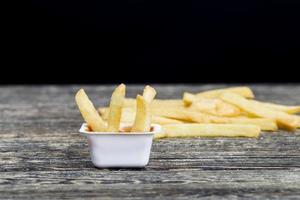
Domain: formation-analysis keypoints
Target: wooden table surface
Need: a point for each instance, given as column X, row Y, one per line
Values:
column 42, row 155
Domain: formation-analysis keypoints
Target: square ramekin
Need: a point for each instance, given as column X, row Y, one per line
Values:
column 120, row 149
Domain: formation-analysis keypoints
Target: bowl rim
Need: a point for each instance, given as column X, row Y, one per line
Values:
column 156, row 129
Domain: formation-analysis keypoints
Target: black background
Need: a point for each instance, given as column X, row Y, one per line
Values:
column 112, row 41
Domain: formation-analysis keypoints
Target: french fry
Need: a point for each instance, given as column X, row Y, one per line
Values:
column 226, row 109
column 115, row 108
column 88, row 112
column 189, row 98
column 128, row 116
column 211, row 106
column 184, row 115
column 179, row 114
column 283, row 108
column 142, row 120
column 156, row 103
column 197, row 117
column 164, row 120
column 242, row 91
column 215, row 107
column 284, row 120
column 149, row 94
column 264, row 123
column 209, row 130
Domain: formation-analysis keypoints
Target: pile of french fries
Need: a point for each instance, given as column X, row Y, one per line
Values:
column 229, row 112
column 112, row 122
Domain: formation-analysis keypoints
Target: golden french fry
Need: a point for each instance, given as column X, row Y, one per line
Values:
column 115, row 108
column 215, row 107
column 209, row 130
column 197, row 117
column 204, row 104
column 128, row 116
column 186, row 115
column 264, row 123
column 226, row 109
column 149, row 93
column 242, row 91
column 283, row 108
column 284, row 120
column 211, row 106
column 142, row 120
column 179, row 114
column 164, row 120
column 157, row 103
column 88, row 112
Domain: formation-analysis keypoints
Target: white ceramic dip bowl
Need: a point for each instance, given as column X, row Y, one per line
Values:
column 120, row 149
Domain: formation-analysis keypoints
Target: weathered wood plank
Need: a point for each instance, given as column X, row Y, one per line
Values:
column 42, row 156
column 196, row 183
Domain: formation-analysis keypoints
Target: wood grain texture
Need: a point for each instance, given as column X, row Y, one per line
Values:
column 42, row 156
